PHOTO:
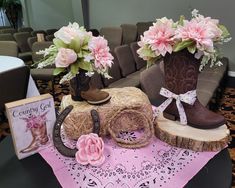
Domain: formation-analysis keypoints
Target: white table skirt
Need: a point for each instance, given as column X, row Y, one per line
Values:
column 8, row 63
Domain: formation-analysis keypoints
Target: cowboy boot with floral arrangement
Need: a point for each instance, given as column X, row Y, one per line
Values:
column 181, row 73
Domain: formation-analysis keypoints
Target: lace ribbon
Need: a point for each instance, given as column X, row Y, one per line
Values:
column 188, row 97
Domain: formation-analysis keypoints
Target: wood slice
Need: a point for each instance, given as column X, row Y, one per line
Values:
column 184, row 136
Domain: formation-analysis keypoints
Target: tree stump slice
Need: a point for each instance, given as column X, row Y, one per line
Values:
column 127, row 99
column 184, row 136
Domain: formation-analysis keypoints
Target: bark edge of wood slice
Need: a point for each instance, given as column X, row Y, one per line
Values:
column 187, row 137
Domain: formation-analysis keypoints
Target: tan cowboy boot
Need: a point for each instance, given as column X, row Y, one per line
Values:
column 82, row 90
column 40, row 138
column 181, row 74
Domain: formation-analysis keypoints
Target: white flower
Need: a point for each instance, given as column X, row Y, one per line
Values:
column 195, row 13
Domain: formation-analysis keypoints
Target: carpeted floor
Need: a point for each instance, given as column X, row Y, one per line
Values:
column 226, row 108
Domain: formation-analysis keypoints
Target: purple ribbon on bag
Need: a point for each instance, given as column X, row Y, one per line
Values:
column 188, row 97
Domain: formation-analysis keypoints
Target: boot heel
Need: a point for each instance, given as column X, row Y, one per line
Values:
column 169, row 116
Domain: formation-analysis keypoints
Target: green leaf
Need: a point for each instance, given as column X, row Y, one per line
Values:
column 85, row 65
column 86, row 40
column 85, row 47
column 58, row 70
column 75, row 44
column 74, row 68
column 85, row 52
column 152, row 61
column 80, row 54
column 225, row 33
column 181, row 45
column 59, row 43
column 192, row 49
column 146, row 51
column 181, row 21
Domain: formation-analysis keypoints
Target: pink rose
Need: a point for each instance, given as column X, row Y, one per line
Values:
column 65, row 57
column 90, row 150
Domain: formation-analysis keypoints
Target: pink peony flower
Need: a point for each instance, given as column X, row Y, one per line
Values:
column 90, row 150
column 99, row 53
column 159, row 36
column 65, row 57
column 66, row 34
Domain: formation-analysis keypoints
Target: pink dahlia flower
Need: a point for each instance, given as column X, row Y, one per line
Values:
column 198, row 31
column 90, row 150
column 212, row 25
column 99, row 53
column 159, row 36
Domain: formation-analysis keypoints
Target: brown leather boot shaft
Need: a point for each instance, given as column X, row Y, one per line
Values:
column 79, row 83
column 181, row 71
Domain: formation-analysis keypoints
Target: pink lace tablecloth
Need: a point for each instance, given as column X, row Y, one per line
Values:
column 154, row 166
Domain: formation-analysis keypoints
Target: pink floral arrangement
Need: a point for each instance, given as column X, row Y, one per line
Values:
column 74, row 48
column 35, row 121
column 200, row 35
column 90, row 150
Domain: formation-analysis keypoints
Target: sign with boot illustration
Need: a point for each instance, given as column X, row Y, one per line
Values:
column 31, row 121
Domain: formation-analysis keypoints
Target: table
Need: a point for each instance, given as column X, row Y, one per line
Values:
column 8, row 63
column 34, row 172
column 30, row 172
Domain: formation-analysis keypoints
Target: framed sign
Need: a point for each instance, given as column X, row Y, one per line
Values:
column 31, row 122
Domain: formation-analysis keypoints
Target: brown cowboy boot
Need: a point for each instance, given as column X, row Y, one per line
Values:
column 181, row 74
column 40, row 138
column 82, row 90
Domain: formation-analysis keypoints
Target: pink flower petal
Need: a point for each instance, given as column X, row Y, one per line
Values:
column 98, row 162
column 80, row 159
column 82, row 154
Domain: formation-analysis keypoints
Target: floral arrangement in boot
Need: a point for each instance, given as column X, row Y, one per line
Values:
column 186, row 46
column 76, row 48
column 199, row 36
column 76, row 51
